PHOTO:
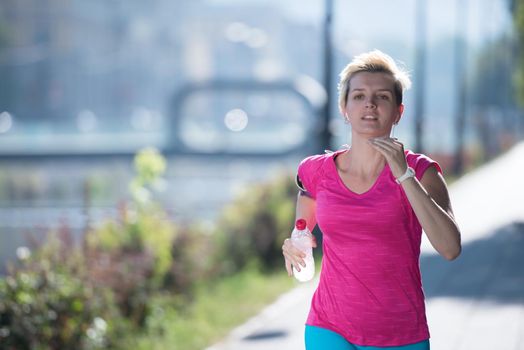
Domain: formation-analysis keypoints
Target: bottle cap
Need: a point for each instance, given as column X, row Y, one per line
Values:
column 300, row 224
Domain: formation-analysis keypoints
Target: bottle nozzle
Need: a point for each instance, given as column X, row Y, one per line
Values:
column 300, row 224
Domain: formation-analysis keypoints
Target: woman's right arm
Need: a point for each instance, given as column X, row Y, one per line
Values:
column 306, row 207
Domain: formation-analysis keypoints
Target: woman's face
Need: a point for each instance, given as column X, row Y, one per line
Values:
column 371, row 106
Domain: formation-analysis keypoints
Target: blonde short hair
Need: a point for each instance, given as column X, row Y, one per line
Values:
column 374, row 62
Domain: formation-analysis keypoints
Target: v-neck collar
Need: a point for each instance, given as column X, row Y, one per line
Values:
column 341, row 182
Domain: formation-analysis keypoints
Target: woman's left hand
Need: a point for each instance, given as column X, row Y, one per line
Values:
column 393, row 151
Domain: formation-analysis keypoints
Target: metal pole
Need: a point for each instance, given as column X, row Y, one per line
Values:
column 325, row 133
column 420, row 79
column 460, row 82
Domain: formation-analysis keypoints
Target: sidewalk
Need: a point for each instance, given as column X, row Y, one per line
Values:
column 473, row 303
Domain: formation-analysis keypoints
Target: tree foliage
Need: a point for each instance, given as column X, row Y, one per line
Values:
column 518, row 18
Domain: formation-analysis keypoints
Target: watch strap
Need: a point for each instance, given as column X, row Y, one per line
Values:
column 410, row 172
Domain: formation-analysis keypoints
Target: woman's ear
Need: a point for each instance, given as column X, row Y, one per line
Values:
column 400, row 111
column 342, row 111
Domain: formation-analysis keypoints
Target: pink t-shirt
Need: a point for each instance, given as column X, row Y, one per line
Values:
column 370, row 289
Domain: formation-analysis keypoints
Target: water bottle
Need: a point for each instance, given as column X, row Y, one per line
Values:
column 303, row 240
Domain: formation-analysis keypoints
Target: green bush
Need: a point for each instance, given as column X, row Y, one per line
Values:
column 132, row 255
column 193, row 253
column 48, row 301
column 254, row 226
column 128, row 275
column 138, row 230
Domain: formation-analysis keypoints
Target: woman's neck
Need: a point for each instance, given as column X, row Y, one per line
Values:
column 362, row 159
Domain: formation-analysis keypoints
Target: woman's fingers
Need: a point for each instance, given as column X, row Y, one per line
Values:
column 291, row 250
column 393, row 151
column 386, row 152
column 293, row 256
column 382, row 147
column 295, row 260
column 388, row 144
column 288, row 268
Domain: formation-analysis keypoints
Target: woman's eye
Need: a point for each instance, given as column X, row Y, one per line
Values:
column 358, row 97
column 384, row 97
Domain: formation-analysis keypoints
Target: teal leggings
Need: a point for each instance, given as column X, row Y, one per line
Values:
column 320, row 339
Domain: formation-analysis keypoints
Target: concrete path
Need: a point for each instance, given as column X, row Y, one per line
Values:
column 473, row 303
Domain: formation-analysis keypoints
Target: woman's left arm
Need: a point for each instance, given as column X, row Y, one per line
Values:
column 430, row 201
column 428, row 197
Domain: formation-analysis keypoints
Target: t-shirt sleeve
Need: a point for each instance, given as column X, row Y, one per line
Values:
column 420, row 163
column 309, row 173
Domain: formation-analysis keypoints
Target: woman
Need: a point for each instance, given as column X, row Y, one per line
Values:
column 372, row 202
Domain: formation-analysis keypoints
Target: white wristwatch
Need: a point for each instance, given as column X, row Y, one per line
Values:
column 409, row 173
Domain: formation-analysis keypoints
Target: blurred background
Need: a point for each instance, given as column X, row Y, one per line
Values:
column 231, row 92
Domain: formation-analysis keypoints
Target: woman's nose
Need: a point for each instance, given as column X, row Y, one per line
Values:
column 370, row 103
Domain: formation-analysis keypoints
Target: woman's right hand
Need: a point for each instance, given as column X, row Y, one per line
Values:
column 294, row 256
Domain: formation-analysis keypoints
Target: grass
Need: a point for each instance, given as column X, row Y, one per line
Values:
column 214, row 312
